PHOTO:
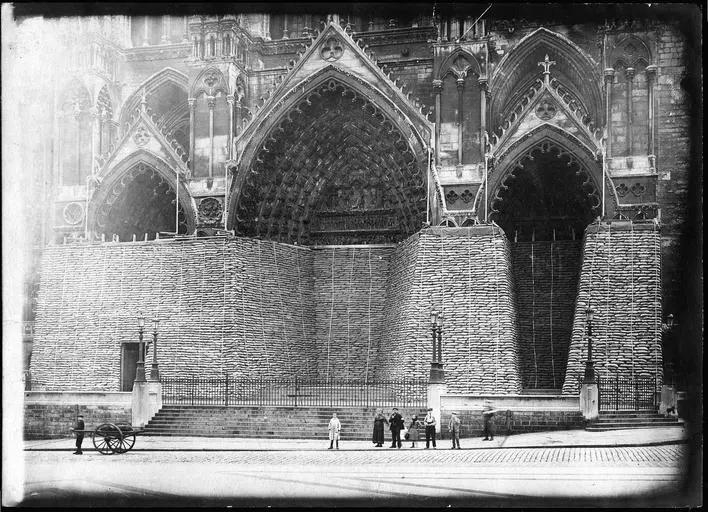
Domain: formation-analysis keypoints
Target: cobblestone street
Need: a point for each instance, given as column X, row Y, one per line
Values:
column 559, row 475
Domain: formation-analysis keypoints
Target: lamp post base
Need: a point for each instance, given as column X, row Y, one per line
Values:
column 589, row 377
column 437, row 374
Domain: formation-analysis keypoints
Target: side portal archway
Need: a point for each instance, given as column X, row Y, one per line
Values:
column 139, row 198
column 336, row 169
column 544, row 202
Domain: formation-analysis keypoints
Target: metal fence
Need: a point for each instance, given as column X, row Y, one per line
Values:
column 293, row 392
column 624, row 393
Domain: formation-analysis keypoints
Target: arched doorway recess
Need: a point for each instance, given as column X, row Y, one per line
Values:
column 544, row 204
column 336, row 169
column 140, row 202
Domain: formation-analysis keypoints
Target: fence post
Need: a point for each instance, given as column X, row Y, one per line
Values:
column 226, row 394
column 296, row 391
column 192, row 392
column 617, row 392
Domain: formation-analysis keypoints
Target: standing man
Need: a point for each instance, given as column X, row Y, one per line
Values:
column 430, row 423
column 395, row 424
column 334, row 427
column 79, row 431
column 488, row 417
column 454, row 428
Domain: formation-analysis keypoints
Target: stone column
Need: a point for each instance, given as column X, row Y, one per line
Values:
column 146, row 38
column 230, row 101
column 185, row 35
column 165, row 39
column 191, row 102
column 630, row 77
column 482, row 113
column 609, row 79
column 651, row 80
column 285, row 26
column 460, row 97
column 211, row 101
column 437, row 90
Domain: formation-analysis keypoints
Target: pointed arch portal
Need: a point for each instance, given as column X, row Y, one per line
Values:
column 138, row 198
column 544, row 200
column 336, row 169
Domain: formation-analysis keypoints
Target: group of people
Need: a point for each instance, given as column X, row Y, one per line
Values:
column 396, row 425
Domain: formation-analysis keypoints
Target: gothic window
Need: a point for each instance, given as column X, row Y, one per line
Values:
column 629, row 98
column 226, row 46
column 460, row 116
column 212, row 124
column 106, row 127
column 212, row 46
column 75, row 146
column 201, row 137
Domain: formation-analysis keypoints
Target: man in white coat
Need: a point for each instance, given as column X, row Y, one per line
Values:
column 334, row 428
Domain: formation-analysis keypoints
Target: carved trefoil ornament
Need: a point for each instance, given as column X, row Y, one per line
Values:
column 210, row 209
column 467, row 196
column 73, row 213
column 622, row 190
column 332, row 49
column 141, row 136
column 451, row 197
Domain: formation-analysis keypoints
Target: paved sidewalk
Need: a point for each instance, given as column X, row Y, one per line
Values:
column 563, row 438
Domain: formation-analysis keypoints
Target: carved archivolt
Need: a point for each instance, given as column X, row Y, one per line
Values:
column 334, row 168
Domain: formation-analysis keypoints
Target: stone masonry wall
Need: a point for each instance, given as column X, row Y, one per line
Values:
column 349, row 302
column 545, row 285
column 236, row 306
column 53, row 421
column 465, row 273
column 620, row 279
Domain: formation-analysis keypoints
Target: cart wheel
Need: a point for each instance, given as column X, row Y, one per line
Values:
column 106, row 438
column 128, row 439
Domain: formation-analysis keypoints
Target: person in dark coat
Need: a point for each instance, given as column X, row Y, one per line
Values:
column 488, row 417
column 379, row 420
column 395, row 425
column 78, row 430
column 414, row 431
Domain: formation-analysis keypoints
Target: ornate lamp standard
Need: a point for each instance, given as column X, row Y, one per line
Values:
column 140, row 369
column 437, row 375
column 589, row 370
column 154, row 371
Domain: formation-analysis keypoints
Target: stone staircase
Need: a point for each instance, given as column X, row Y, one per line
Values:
column 617, row 420
column 267, row 422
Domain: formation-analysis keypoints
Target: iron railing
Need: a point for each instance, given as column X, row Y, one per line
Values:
column 293, row 392
column 626, row 393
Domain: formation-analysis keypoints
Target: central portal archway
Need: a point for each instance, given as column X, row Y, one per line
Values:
column 335, row 170
column 544, row 205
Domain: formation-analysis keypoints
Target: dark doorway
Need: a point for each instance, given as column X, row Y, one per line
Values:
column 129, row 360
column 543, row 207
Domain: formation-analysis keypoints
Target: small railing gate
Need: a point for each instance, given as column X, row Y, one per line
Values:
column 627, row 394
column 293, row 392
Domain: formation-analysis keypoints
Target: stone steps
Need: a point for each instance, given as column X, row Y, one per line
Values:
column 620, row 420
column 281, row 422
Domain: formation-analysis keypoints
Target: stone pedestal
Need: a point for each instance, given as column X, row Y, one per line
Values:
column 154, row 397
column 589, row 401
column 668, row 399
column 140, row 404
column 435, row 390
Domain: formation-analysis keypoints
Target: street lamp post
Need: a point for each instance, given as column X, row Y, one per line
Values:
column 154, row 370
column 140, row 369
column 589, row 370
column 437, row 376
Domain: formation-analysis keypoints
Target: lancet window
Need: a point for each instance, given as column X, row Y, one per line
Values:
column 75, row 119
column 630, row 93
